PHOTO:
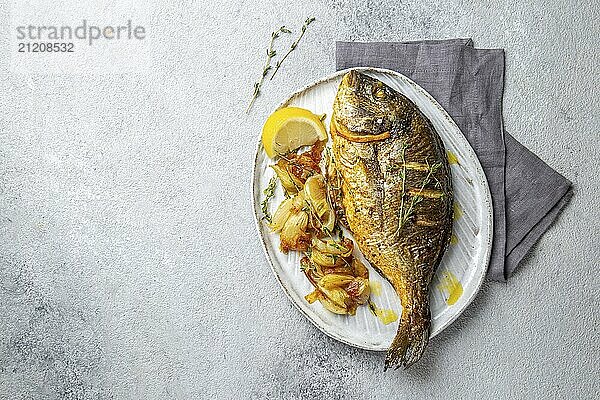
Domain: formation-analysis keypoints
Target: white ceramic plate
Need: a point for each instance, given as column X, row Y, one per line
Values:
column 466, row 258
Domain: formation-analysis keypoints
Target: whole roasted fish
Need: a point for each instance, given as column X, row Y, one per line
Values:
column 395, row 191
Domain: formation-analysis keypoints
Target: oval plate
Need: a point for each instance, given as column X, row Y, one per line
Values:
column 466, row 258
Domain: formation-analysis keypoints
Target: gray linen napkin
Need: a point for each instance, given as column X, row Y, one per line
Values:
column 527, row 194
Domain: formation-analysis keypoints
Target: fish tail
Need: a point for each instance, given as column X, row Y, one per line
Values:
column 412, row 336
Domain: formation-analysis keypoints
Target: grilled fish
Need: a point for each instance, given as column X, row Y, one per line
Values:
column 396, row 194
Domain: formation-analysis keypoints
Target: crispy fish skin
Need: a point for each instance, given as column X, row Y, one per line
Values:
column 396, row 195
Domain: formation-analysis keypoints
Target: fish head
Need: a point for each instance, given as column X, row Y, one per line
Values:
column 366, row 109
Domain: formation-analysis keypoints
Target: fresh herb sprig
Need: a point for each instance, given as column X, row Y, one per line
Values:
column 269, row 193
column 293, row 46
column 406, row 213
column 372, row 307
column 270, row 54
column 403, row 148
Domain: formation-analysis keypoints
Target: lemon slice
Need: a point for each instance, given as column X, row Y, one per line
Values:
column 290, row 128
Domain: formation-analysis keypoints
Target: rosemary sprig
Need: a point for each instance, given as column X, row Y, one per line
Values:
column 269, row 193
column 270, row 54
column 293, row 46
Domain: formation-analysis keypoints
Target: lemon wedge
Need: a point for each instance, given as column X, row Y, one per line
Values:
column 290, row 128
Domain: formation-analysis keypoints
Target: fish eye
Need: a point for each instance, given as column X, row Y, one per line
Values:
column 378, row 91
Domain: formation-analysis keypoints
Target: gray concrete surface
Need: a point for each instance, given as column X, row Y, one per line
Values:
column 129, row 263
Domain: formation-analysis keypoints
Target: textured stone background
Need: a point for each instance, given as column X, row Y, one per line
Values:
column 129, row 263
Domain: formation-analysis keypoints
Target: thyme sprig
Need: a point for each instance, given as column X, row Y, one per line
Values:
column 308, row 207
column 405, row 214
column 307, row 265
column 372, row 307
column 294, row 45
column 270, row 54
column 269, row 193
column 295, row 163
column 403, row 148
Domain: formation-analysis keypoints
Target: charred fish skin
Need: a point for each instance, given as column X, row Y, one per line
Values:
column 396, row 192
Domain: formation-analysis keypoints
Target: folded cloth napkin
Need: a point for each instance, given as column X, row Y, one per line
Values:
column 527, row 194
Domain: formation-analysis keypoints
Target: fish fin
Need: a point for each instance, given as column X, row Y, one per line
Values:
column 412, row 336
